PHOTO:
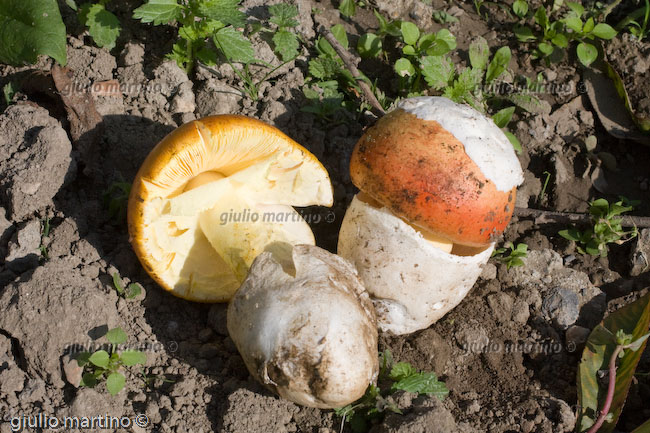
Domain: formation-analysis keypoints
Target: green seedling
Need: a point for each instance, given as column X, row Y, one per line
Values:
column 330, row 87
column 542, row 193
column 606, row 228
column 418, row 52
column 553, row 36
column 149, row 380
column 45, row 232
column 9, row 91
column 376, row 402
column 199, row 21
column 637, row 22
column 108, row 364
column 115, row 199
column 442, row 17
column 103, row 26
column 130, row 292
column 511, row 255
column 285, row 41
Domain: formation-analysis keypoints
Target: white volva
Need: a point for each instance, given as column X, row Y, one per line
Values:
column 305, row 326
column 412, row 282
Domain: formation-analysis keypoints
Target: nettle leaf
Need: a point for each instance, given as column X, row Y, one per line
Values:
column 29, row 29
column 347, row 8
column 99, row 358
column 133, row 357
column 103, row 26
column 529, row 103
column 158, row 12
column 402, row 370
column 283, row 14
column 286, row 44
column 632, row 319
column 369, row 45
column 225, row 11
column 604, row 31
column 479, row 53
column 410, row 32
column 437, row 71
column 324, row 68
column 502, row 117
column 115, row 382
column 422, row 383
column 234, row 45
column 116, row 336
column 587, row 53
column 498, row 64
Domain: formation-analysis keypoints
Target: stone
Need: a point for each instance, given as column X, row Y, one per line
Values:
column 183, row 101
column 31, row 143
column 520, row 311
column 217, row 319
column 23, row 250
column 561, row 306
column 576, row 336
column 77, row 304
column 428, row 415
column 72, row 370
column 501, row 304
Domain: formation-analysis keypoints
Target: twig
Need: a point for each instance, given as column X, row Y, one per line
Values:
column 545, row 217
column 350, row 63
column 610, row 391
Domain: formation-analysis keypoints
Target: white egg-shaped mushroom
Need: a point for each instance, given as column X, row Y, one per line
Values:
column 439, row 181
column 414, row 282
column 305, row 326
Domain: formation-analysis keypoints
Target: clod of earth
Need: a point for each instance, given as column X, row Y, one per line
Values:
column 212, row 195
column 305, row 326
column 438, row 183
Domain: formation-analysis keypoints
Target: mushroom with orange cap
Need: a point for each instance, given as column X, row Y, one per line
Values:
column 212, row 195
column 438, row 183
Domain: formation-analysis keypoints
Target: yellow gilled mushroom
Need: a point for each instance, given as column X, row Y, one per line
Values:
column 212, row 195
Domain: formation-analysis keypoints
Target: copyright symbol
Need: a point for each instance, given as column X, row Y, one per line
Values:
column 141, row 420
column 331, row 216
column 571, row 346
column 172, row 346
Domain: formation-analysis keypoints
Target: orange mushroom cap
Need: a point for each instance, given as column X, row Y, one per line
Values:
column 421, row 171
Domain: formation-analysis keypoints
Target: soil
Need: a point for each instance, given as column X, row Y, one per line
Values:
column 508, row 353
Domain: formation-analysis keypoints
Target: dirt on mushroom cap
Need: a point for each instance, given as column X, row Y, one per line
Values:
column 421, row 172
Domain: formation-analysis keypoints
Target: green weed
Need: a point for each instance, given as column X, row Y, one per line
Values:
column 393, row 377
column 128, row 292
column 511, row 255
column 606, row 228
column 103, row 364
